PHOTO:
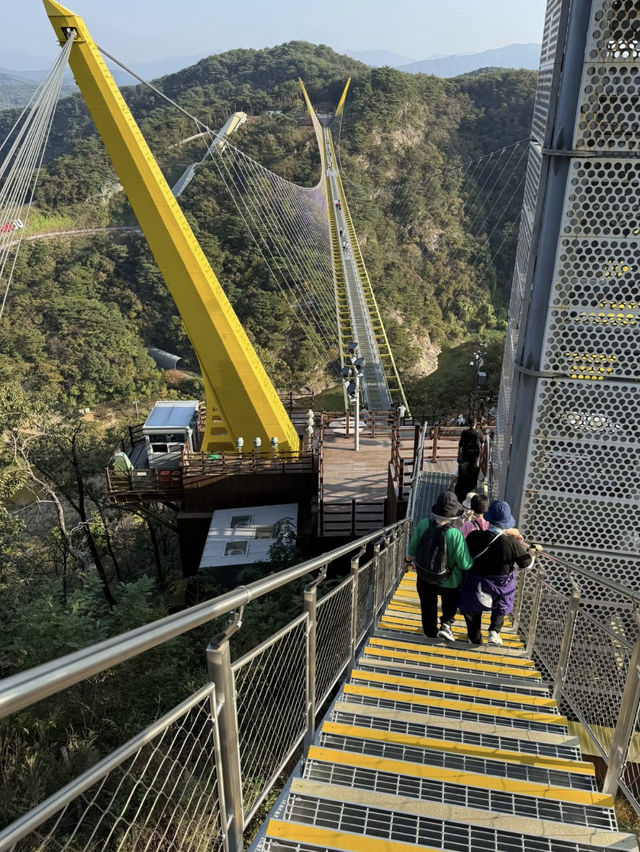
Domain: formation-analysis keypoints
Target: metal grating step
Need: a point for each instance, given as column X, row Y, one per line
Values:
column 403, row 701
column 461, row 762
column 447, row 793
column 486, row 655
column 481, row 696
column 421, row 831
column 461, row 666
column 451, row 675
column 461, row 735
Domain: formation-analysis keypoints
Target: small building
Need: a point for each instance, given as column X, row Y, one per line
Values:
column 243, row 536
column 171, row 428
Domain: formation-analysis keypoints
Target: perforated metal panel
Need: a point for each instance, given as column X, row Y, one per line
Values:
column 581, row 487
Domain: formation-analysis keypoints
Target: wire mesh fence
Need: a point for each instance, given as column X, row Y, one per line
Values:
column 525, row 596
column 333, row 640
column 159, row 791
column 270, row 685
column 364, row 604
column 554, row 606
column 596, row 674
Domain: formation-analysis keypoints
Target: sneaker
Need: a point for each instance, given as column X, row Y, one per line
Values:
column 494, row 638
column 446, row 633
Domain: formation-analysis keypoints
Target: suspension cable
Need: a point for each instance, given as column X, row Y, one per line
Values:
column 21, row 166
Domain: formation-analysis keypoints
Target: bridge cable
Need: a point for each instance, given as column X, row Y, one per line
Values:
column 21, row 166
column 266, row 222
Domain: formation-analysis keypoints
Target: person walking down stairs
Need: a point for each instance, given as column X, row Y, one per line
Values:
column 490, row 586
column 440, row 555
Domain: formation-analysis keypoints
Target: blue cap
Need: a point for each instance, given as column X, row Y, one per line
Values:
column 499, row 515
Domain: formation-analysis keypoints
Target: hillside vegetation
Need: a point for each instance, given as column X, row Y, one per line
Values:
column 402, row 137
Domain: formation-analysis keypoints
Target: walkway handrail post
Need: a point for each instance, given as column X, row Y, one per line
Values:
column 376, row 579
column 626, row 723
column 220, row 672
column 517, row 606
column 434, row 448
column 311, row 608
column 565, row 645
column 535, row 610
column 355, row 570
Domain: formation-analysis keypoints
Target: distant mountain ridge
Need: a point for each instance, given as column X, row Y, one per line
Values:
column 510, row 56
column 17, row 86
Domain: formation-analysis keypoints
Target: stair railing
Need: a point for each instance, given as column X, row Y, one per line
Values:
column 205, row 767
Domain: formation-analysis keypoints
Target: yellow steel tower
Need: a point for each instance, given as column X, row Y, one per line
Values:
column 241, row 400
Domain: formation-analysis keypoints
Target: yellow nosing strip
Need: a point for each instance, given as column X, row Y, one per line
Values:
column 465, row 779
column 452, row 704
column 580, row 767
column 459, row 628
column 485, row 655
column 473, row 665
column 456, row 689
column 327, row 838
column 424, row 718
column 411, row 626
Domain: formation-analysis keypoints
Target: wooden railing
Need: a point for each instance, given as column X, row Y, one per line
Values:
column 350, row 518
column 206, row 466
column 226, row 464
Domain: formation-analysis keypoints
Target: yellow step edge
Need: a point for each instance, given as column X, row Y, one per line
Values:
column 414, row 609
column 406, row 610
column 455, row 688
column 544, row 830
column 426, row 719
column 439, row 661
column 579, row 767
column 464, row 779
column 458, row 626
column 452, row 704
column 442, row 650
column 406, row 627
column 327, row 838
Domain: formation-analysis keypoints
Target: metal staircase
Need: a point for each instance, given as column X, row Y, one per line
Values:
column 442, row 747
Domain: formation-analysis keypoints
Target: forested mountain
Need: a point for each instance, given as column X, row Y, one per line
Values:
column 402, row 138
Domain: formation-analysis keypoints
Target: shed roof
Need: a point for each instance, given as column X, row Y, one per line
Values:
column 171, row 414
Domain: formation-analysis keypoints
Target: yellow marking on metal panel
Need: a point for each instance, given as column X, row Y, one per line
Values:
column 437, row 660
column 327, row 838
column 452, row 704
column 441, row 650
column 419, row 683
column 455, row 776
column 241, row 400
column 580, row 767
column 406, row 626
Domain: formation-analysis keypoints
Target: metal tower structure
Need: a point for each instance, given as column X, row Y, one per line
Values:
column 566, row 453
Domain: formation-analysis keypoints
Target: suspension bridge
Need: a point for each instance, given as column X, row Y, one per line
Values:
column 346, row 728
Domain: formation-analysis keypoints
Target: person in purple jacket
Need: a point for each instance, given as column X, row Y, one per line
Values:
column 490, row 584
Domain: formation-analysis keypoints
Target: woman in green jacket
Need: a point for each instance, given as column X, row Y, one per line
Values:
column 433, row 582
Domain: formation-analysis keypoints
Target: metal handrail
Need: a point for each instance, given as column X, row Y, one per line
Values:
column 26, row 688
column 417, row 467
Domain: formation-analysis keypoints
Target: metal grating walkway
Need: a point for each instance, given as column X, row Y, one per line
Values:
column 442, row 746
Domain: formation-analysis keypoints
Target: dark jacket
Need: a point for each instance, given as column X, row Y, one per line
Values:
column 503, row 553
column 469, row 446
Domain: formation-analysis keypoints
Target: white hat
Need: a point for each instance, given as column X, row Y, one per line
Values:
column 467, row 500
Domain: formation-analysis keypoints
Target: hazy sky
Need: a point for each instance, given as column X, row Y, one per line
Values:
column 143, row 30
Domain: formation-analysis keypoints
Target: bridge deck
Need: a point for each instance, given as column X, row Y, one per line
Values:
column 442, row 746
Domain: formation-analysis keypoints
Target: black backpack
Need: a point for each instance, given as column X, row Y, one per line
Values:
column 431, row 555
